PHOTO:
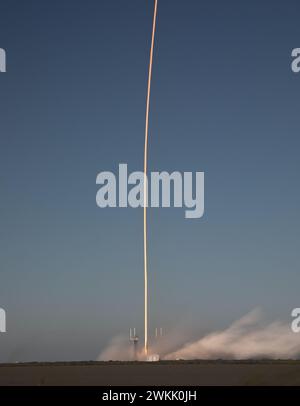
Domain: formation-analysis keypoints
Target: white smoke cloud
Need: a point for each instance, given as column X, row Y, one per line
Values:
column 246, row 338
column 117, row 350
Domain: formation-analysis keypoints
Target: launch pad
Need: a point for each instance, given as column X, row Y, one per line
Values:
column 134, row 340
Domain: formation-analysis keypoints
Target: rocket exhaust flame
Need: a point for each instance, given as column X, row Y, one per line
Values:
column 145, row 185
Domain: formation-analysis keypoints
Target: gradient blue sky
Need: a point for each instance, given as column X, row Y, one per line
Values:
column 72, row 103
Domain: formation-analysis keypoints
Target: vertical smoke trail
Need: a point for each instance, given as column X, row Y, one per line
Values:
column 145, row 182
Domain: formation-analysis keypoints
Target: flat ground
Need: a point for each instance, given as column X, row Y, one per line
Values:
column 158, row 373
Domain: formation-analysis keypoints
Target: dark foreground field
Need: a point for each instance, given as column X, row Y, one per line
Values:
column 159, row 373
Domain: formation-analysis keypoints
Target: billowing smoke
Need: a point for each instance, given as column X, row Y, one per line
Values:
column 118, row 349
column 247, row 338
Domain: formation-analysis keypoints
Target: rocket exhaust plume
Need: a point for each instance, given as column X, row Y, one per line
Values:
column 247, row 338
column 145, row 183
column 250, row 337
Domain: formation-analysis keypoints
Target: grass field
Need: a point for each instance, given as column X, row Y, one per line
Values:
column 158, row 373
